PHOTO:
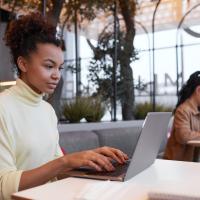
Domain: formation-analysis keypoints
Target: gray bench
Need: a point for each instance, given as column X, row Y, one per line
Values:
column 123, row 135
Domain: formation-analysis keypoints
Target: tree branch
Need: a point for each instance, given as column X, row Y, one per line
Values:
column 91, row 46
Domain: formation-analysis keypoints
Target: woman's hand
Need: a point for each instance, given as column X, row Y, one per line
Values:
column 99, row 159
column 113, row 154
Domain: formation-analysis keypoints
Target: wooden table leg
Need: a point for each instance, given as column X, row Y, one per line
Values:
column 196, row 154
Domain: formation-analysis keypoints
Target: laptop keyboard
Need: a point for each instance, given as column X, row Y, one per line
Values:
column 119, row 170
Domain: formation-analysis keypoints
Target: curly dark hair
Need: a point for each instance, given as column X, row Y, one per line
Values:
column 188, row 88
column 24, row 33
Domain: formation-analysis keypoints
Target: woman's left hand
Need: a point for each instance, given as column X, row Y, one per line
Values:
column 113, row 153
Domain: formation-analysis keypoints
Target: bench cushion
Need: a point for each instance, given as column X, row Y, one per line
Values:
column 78, row 141
column 122, row 138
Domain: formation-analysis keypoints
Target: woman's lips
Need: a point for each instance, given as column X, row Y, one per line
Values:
column 52, row 85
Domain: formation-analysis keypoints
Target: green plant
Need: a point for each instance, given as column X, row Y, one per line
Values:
column 90, row 108
column 96, row 110
column 141, row 109
column 76, row 110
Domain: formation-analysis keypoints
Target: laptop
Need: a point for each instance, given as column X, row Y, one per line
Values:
column 153, row 131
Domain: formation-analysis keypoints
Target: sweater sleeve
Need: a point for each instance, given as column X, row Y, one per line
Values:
column 58, row 151
column 183, row 132
column 9, row 175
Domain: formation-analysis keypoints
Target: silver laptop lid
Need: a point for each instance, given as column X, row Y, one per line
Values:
column 154, row 129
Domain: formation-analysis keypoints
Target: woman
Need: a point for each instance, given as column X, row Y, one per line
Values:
column 29, row 151
column 186, row 125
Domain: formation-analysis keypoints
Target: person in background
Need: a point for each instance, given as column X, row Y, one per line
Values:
column 30, row 154
column 186, row 124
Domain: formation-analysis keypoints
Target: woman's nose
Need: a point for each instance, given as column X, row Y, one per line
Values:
column 56, row 74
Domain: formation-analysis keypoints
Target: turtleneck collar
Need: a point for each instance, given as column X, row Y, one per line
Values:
column 25, row 93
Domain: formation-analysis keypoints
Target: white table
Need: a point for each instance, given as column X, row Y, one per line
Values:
column 163, row 174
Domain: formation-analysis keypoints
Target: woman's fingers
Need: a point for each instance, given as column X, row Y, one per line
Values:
column 122, row 156
column 112, row 155
column 102, row 161
column 98, row 159
column 115, row 154
column 93, row 165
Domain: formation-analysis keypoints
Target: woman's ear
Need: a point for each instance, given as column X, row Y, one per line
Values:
column 22, row 64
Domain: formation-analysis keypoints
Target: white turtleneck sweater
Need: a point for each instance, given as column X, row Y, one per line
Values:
column 28, row 135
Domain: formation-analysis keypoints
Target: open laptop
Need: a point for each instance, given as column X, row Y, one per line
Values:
column 153, row 131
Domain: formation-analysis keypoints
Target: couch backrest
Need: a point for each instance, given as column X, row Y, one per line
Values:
column 84, row 136
column 98, row 125
column 74, row 141
column 123, row 138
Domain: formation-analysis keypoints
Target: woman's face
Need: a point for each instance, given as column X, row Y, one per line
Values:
column 41, row 70
column 197, row 95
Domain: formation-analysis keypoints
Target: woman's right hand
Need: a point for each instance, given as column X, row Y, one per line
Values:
column 88, row 158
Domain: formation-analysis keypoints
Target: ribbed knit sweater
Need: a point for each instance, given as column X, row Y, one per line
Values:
column 28, row 135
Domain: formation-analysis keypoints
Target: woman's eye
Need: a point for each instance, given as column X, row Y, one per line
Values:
column 49, row 67
column 61, row 68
